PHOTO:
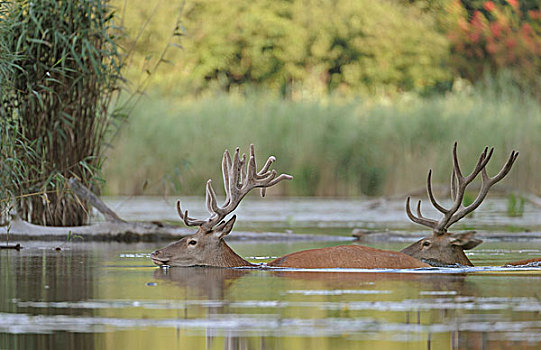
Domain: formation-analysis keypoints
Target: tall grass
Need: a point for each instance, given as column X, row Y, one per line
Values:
column 332, row 148
column 67, row 70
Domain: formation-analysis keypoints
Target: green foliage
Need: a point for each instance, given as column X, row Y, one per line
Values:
column 298, row 48
column 9, row 165
column 56, row 107
column 200, row 132
column 7, row 58
column 316, row 47
column 332, row 148
column 371, row 47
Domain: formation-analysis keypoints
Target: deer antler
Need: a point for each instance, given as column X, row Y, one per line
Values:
column 458, row 187
column 239, row 179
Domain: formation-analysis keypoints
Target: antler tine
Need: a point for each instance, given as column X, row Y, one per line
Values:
column 453, row 185
column 212, row 206
column 431, row 195
column 463, row 181
column 263, row 172
column 456, row 166
column 486, row 183
column 230, row 173
column 278, row 179
column 251, row 171
column 188, row 220
column 420, row 219
column 481, row 164
column 459, row 183
column 234, row 180
column 242, row 169
column 226, row 168
column 240, row 177
column 506, row 168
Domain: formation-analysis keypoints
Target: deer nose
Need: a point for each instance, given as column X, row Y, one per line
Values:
column 158, row 259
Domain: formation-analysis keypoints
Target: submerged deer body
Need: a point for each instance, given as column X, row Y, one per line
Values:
column 207, row 246
column 348, row 256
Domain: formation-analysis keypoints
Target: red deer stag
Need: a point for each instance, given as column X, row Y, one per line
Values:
column 207, row 246
column 444, row 248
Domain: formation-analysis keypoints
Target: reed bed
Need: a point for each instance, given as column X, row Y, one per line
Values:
column 56, row 105
column 331, row 147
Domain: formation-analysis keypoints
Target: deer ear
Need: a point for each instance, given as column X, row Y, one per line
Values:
column 225, row 228
column 465, row 240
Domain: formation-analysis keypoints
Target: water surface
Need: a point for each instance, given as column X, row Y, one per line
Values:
column 109, row 295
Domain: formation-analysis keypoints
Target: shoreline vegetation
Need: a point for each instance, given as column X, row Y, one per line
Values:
column 355, row 98
column 333, row 147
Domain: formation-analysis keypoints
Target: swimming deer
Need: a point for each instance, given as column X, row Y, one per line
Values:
column 207, row 246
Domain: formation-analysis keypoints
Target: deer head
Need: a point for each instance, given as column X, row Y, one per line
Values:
column 443, row 247
column 207, row 246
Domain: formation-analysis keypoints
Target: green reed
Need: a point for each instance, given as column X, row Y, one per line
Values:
column 331, row 147
column 68, row 68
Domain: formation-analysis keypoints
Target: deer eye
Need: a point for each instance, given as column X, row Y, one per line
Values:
column 426, row 243
column 192, row 242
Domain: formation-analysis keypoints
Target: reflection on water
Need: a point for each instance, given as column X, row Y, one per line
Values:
column 98, row 295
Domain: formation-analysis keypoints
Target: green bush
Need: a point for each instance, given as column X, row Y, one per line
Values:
column 297, row 48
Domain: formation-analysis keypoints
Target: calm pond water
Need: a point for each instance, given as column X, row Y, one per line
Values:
column 110, row 296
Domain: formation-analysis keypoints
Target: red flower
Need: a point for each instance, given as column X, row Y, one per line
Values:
column 496, row 29
column 492, row 48
column 526, row 28
column 534, row 14
column 513, row 3
column 489, row 6
column 511, row 43
column 476, row 20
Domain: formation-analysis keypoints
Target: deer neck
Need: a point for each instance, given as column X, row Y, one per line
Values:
column 228, row 258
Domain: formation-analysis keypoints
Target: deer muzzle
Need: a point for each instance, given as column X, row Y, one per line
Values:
column 158, row 258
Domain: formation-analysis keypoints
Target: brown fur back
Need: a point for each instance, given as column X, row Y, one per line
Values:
column 524, row 262
column 348, row 256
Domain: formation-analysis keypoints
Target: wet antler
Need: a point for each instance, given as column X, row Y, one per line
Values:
column 239, row 179
column 458, row 187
